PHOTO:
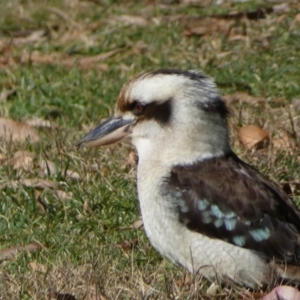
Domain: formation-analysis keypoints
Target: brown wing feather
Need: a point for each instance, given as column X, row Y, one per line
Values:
column 227, row 199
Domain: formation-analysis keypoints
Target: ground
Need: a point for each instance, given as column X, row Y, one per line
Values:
column 69, row 219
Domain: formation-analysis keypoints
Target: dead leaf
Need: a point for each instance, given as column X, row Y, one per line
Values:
column 253, row 136
column 296, row 104
column 283, row 292
column 222, row 23
column 207, row 26
column 62, row 195
column 23, row 160
column 64, row 16
column 200, row 3
column 29, row 36
column 137, row 224
column 39, row 183
column 260, row 13
column 86, row 205
column 132, row 20
column 48, row 167
column 61, row 296
column 37, row 267
column 282, row 8
column 245, row 97
column 295, row 21
column 70, row 61
column 238, row 37
column 41, row 204
column 224, row 54
column 138, row 48
column 39, row 122
column 17, row 131
column 3, row 158
column 90, row 60
column 128, row 245
column 4, row 95
column 73, row 175
column 104, row 171
column 281, row 18
column 11, row 253
column 131, row 160
column 265, row 44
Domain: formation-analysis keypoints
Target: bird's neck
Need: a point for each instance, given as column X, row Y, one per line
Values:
column 169, row 149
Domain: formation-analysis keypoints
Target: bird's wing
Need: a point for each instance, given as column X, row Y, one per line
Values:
column 227, row 199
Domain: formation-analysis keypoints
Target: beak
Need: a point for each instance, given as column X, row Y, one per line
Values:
column 110, row 131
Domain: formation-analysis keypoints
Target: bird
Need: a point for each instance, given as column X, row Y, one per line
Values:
column 202, row 206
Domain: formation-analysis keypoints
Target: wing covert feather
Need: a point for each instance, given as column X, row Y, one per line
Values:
column 227, row 199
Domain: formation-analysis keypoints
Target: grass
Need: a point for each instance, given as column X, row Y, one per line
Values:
column 85, row 238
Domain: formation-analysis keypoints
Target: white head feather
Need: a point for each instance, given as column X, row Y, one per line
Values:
column 197, row 127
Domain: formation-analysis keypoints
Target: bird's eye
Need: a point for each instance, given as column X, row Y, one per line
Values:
column 138, row 108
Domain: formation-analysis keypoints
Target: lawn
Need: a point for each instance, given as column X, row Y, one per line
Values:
column 69, row 219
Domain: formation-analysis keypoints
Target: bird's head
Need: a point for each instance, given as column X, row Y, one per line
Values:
column 171, row 115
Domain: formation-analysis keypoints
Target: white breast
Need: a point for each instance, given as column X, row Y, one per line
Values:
column 196, row 252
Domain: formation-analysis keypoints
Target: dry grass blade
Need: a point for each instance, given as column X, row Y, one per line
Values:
column 132, row 20
column 64, row 16
column 17, row 131
column 295, row 22
column 68, row 62
column 6, row 95
column 12, row 252
column 87, row 61
column 243, row 97
column 49, row 168
column 31, row 182
column 201, row 3
column 62, row 195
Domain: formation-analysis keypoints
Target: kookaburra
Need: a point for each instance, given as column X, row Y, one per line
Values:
column 202, row 206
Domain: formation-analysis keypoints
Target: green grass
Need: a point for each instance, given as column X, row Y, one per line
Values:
column 82, row 251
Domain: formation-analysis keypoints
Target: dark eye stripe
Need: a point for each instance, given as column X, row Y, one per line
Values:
column 158, row 112
column 138, row 108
